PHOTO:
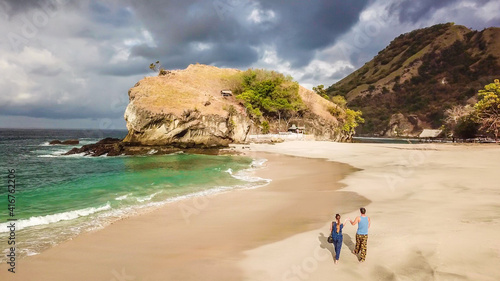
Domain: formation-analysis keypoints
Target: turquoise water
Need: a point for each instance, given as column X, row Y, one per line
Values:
column 58, row 197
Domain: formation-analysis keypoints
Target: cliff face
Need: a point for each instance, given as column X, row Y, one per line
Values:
column 186, row 109
column 409, row 85
column 191, row 128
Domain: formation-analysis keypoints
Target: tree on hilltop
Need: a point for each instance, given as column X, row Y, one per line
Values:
column 156, row 67
column 321, row 91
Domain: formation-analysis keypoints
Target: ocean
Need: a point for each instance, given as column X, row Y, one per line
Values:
column 58, row 197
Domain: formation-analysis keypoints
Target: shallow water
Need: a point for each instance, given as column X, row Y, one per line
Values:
column 58, row 197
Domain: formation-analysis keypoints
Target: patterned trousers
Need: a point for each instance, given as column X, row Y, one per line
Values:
column 361, row 241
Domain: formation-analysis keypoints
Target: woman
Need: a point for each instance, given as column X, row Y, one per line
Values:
column 336, row 230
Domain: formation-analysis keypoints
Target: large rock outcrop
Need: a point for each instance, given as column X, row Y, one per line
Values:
column 192, row 128
column 185, row 109
column 401, row 125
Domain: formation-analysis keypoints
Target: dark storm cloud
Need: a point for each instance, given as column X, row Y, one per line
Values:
column 17, row 6
column 78, row 58
column 128, row 69
column 52, row 110
column 178, row 28
column 306, row 26
column 106, row 15
column 296, row 28
column 413, row 11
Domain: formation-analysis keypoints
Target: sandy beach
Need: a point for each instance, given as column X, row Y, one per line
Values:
column 435, row 213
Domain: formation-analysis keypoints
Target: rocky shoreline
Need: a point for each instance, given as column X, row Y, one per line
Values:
column 117, row 147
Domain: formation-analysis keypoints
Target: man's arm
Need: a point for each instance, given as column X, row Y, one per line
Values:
column 369, row 222
column 356, row 220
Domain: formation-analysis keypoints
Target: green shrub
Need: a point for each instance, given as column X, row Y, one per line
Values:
column 335, row 111
column 269, row 93
column 339, row 100
column 467, row 127
column 265, row 127
column 352, row 120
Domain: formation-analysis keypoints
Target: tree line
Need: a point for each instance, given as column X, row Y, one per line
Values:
column 483, row 117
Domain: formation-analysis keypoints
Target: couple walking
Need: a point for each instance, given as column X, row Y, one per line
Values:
column 361, row 235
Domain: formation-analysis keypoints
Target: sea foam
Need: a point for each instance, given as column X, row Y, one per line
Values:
column 147, row 198
column 48, row 219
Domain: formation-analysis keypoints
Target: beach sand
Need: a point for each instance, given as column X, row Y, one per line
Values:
column 435, row 212
column 435, row 215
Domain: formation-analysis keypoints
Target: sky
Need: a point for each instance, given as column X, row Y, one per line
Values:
column 70, row 63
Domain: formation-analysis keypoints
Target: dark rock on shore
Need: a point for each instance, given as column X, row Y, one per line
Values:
column 116, row 147
column 102, row 147
column 66, row 142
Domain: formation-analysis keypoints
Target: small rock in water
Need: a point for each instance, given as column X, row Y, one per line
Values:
column 66, row 142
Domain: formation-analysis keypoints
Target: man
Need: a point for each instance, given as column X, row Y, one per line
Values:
column 362, row 234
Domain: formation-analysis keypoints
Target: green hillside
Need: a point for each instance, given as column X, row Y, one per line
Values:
column 420, row 75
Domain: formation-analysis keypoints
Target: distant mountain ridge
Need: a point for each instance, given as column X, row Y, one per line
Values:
column 407, row 86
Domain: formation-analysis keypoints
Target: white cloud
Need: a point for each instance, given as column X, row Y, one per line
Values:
column 121, row 55
column 469, row 13
column 260, row 16
column 148, row 38
column 318, row 71
column 201, row 46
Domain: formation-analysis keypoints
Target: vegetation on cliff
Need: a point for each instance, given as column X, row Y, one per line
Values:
column 269, row 93
column 422, row 74
column 349, row 118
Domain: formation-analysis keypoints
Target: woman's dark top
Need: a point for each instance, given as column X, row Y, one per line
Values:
column 334, row 231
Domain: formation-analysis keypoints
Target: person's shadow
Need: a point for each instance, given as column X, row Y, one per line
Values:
column 323, row 240
column 348, row 242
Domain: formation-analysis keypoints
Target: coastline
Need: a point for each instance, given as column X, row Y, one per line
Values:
column 206, row 233
column 72, row 209
column 434, row 210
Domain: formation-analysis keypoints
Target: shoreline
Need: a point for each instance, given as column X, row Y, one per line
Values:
column 434, row 210
column 38, row 233
column 227, row 224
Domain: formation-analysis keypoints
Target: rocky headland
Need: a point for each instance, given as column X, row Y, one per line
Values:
column 185, row 110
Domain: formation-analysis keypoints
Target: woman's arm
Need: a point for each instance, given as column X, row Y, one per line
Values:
column 331, row 227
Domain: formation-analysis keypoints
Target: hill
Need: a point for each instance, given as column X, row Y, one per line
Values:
column 408, row 86
column 186, row 108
